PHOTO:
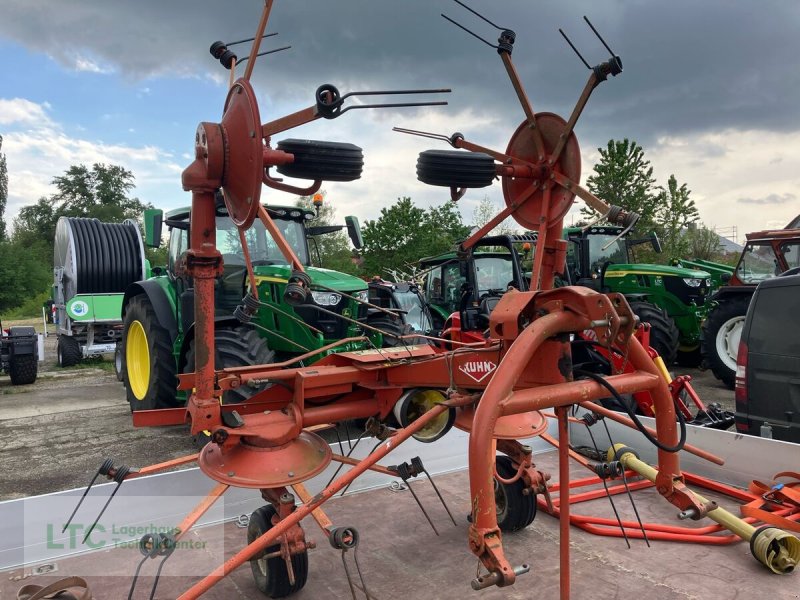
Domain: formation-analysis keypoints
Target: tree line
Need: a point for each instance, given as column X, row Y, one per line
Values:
column 393, row 242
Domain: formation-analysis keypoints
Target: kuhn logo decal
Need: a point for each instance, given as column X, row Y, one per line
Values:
column 478, row 369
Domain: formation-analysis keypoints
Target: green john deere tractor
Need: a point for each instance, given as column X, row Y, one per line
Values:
column 158, row 313
column 673, row 300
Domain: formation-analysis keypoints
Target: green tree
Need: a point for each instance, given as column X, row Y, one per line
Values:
column 24, row 273
column 675, row 212
column 334, row 248
column 3, row 191
column 102, row 192
column 404, row 233
column 703, row 243
column 625, row 178
column 35, row 222
column 485, row 212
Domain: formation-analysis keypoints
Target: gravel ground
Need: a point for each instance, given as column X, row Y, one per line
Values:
column 55, row 433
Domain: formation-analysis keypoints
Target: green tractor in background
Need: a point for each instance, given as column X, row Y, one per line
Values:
column 673, row 300
column 158, row 313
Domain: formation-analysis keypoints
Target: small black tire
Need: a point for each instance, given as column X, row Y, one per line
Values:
column 322, row 161
column 723, row 320
column 515, row 509
column 664, row 334
column 119, row 363
column 23, row 369
column 153, row 384
column 270, row 574
column 454, row 168
column 68, row 351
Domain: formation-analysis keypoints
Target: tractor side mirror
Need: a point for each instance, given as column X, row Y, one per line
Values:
column 153, row 220
column 656, row 242
column 725, row 277
column 354, row 232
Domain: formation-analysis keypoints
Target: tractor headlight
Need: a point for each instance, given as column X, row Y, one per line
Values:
column 693, row 281
column 362, row 296
column 326, row 298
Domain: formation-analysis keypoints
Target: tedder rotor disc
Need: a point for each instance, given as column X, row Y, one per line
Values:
column 249, row 464
column 522, row 147
column 244, row 154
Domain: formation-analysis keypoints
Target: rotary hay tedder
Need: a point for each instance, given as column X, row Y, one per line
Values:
column 496, row 390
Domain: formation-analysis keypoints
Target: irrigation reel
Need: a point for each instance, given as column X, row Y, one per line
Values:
column 496, row 390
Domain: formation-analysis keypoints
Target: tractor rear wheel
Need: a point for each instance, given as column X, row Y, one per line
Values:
column 270, row 574
column 235, row 347
column 239, row 346
column 515, row 509
column 23, row 369
column 68, row 351
column 722, row 331
column 664, row 333
column 455, row 168
column 149, row 367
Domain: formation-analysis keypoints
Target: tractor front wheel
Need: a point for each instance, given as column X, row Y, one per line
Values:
column 149, row 367
column 394, row 330
column 664, row 333
column 270, row 574
column 721, row 334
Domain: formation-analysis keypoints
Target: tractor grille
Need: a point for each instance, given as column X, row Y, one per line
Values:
column 332, row 327
column 686, row 294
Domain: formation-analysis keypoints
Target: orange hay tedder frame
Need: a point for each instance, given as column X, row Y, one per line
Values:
column 495, row 390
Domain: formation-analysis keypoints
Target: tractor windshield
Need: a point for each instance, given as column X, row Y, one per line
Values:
column 410, row 302
column 616, row 252
column 758, row 263
column 263, row 249
column 493, row 273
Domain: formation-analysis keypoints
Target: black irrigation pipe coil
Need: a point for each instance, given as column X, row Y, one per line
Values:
column 108, row 256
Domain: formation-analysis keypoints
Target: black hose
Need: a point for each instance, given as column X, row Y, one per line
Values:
column 108, row 256
column 681, row 419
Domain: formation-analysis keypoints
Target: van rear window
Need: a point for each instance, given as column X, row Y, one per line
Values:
column 775, row 325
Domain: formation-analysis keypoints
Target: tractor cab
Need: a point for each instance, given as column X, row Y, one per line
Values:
column 470, row 284
column 289, row 329
column 594, row 250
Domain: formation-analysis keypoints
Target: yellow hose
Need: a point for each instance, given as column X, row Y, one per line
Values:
column 776, row 549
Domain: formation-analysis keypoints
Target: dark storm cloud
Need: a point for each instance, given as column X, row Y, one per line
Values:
column 689, row 66
column 770, row 200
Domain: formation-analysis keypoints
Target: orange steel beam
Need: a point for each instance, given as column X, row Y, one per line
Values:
column 318, row 514
column 262, row 26
column 546, row 437
column 163, row 466
column 587, row 404
column 303, row 511
column 563, row 476
column 275, row 233
column 355, row 462
column 525, row 103
column 201, row 509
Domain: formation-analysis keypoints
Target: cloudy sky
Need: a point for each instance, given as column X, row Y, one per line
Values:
column 710, row 89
